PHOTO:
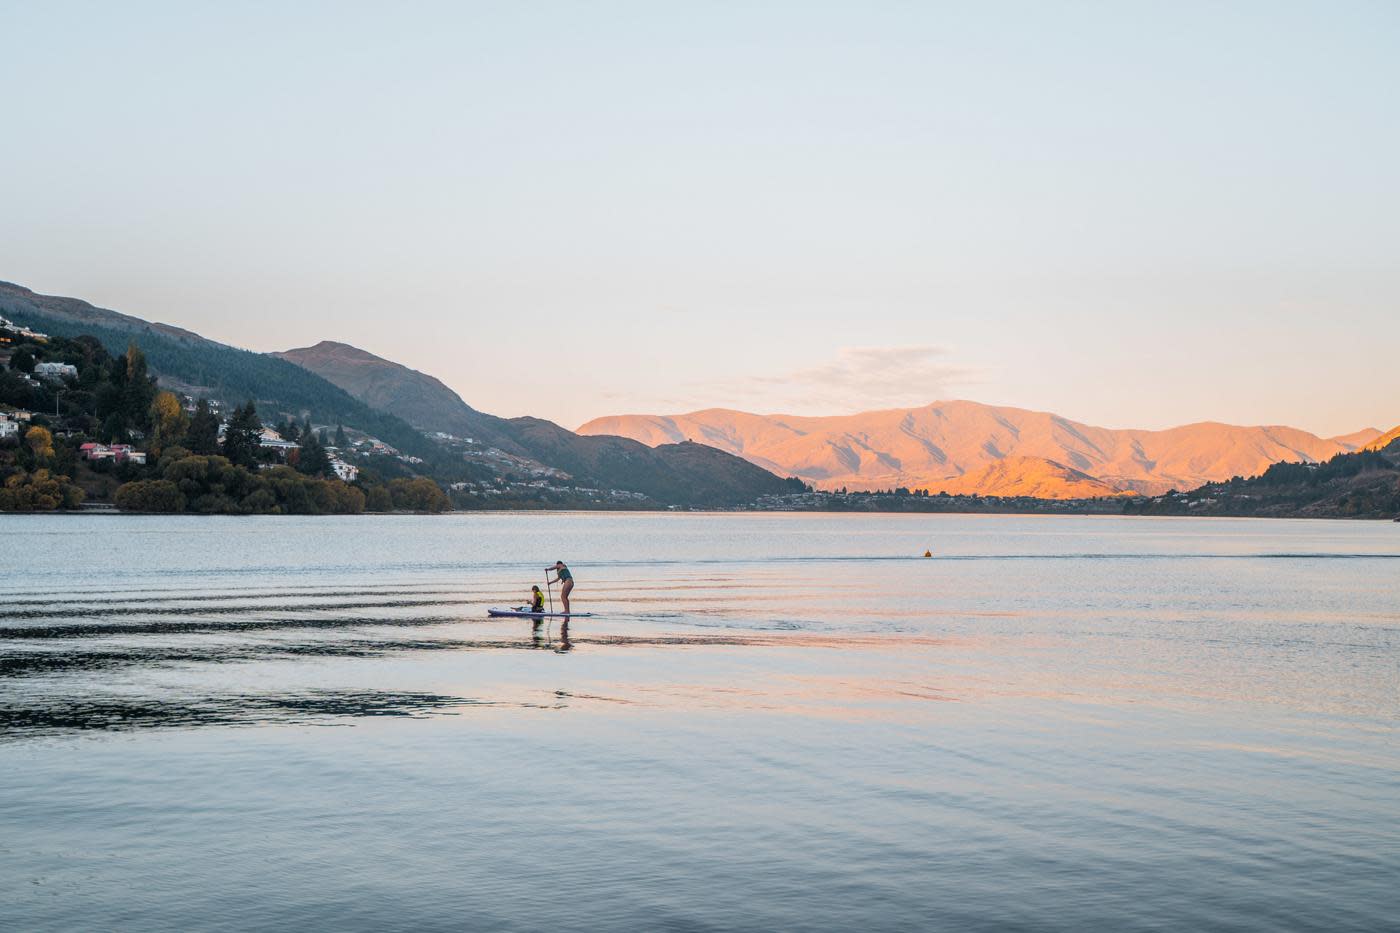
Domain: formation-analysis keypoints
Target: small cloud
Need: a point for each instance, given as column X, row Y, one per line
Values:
column 863, row 378
column 857, row 379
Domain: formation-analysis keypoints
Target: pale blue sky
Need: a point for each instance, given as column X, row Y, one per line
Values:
column 1133, row 214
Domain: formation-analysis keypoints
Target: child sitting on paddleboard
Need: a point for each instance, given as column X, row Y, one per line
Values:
column 536, row 599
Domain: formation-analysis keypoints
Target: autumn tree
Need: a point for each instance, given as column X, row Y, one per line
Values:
column 150, row 495
column 40, row 442
column 168, row 422
column 418, row 495
column 40, row 491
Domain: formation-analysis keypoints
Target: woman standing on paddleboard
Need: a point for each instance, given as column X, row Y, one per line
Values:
column 561, row 575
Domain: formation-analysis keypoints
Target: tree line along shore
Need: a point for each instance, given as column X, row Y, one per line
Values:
column 94, row 427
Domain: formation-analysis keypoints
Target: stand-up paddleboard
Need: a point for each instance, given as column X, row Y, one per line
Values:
column 527, row 614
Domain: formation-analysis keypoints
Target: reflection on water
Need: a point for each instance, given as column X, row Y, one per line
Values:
column 773, row 722
column 112, row 713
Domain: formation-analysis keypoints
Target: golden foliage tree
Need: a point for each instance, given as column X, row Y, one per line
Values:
column 40, row 440
column 168, row 422
column 40, row 491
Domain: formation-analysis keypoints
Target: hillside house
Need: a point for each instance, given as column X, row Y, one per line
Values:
column 345, row 471
column 8, row 428
column 125, row 453
column 284, row 450
column 9, row 330
column 117, row 453
column 56, row 371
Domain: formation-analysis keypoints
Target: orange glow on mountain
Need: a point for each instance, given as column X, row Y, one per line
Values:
column 970, row 447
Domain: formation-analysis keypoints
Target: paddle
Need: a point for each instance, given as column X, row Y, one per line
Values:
column 551, row 592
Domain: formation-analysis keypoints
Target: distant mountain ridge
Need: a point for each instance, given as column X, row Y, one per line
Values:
column 1382, row 441
column 679, row 473
column 419, row 398
column 952, row 446
column 1358, row 439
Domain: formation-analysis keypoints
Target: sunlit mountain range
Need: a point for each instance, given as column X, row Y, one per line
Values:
column 958, row 447
column 966, row 447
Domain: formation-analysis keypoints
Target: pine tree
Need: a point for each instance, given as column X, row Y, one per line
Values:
column 140, row 389
column 114, row 429
column 313, row 460
column 341, row 441
column 241, row 439
column 203, row 434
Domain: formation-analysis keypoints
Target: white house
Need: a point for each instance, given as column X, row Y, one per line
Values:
column 8, row 428
column 55, row 370
column 284, row 449
column 346, row 471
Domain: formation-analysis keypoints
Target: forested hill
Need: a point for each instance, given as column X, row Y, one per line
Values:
column 1363, row 484
column 184, row 359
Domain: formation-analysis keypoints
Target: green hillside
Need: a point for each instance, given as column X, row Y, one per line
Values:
column 228, row 374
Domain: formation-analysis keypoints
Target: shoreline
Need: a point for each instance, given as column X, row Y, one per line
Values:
column 1066, row 513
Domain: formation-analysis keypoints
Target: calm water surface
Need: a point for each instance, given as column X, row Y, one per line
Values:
column 774, row 722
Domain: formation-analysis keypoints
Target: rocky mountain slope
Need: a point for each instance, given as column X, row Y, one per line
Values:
column 951, row 445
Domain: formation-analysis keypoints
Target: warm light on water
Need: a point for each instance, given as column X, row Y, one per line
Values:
column 775, row 722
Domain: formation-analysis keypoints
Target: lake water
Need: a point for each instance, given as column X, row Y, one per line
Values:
column 775, row 722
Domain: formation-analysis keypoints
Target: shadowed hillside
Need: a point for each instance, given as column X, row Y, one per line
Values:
column 416, row 397
column 685, row 474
